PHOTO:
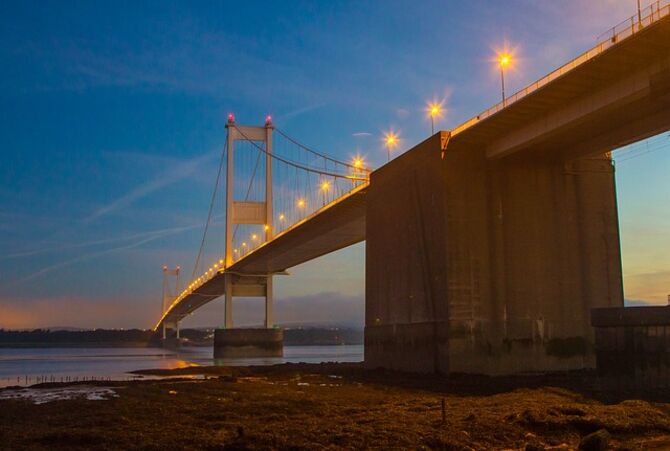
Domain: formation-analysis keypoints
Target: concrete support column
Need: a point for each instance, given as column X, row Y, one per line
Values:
column 268, row 304
column 164, row 331
column 228, row 295
column 229, row 198
column 177, row 324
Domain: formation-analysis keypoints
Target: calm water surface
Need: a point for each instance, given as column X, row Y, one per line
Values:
column 25, row 366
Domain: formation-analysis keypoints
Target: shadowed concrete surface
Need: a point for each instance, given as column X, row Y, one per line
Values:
column 632, row 346
column 248, row 343
column 488, row 266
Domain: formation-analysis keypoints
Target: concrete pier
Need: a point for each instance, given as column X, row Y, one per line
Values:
column 248, row 343
column 488, row 266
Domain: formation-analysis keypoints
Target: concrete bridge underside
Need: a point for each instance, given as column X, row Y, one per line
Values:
column 487, row 255
column 488, row 247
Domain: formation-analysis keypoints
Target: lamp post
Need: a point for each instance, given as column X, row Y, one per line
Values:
column 325, row 187
column 434, row 110
column 391, row 140
column 357, row 165
column 504, row 60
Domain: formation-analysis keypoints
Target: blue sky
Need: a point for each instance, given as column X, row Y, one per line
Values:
column 113, row 117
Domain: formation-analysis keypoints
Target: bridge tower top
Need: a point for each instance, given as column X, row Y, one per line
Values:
column 168, row 293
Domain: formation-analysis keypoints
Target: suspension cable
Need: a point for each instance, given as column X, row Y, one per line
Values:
column 326, row 157
column 303, row 167
column 211, row 208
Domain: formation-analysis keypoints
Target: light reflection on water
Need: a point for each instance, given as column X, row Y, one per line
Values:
column 26, row 366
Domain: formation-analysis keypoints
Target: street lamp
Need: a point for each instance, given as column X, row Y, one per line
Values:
column 391, row 141
column 434, row 110
column 325, row 187
column 504, row 60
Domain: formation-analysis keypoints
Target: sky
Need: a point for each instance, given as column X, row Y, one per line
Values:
column 112, row 120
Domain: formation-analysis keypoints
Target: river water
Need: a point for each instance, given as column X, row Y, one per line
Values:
column 26, row 366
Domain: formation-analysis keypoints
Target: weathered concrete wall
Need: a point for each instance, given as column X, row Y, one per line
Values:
column 488, row 266
column 633, row 346
column 405, row 285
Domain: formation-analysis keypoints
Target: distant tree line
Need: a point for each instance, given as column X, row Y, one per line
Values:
column 125, row 337
column 46, row 336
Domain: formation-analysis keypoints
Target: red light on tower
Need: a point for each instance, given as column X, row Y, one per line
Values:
column 268, row 120
column 231, row 118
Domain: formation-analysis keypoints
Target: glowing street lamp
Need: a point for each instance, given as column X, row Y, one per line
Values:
column 357, row 167
column 504, row 60
column 301, row 203
column 434, row 110
column 391, row 141
column 325, row 187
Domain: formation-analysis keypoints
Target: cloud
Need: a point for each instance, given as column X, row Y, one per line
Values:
column 650, row 287
column 74, row 312
column 361, row 134
column 639, row 303
column 322, row 308
column 168, row 177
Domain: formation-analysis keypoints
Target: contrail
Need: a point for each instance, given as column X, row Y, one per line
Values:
column 295, row 113
column 150, row 236
column 89, row 243
column 92, row 255
column 166, row 178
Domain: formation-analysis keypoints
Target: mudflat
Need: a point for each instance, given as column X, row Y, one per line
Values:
column 341, row 406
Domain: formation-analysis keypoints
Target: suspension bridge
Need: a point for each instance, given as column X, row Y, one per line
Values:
column 286, row 204
column 486, row 246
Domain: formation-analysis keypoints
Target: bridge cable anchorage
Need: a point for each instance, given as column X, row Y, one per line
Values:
column 211, row 208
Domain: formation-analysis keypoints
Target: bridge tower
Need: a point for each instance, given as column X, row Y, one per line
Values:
column 168, row 293
column 247, row 212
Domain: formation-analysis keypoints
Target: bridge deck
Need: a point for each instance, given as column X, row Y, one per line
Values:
column 333, row 227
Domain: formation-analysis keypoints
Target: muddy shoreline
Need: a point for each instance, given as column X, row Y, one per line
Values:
column 338, row 406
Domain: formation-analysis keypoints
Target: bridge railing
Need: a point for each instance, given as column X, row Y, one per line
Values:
column 627, row 28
